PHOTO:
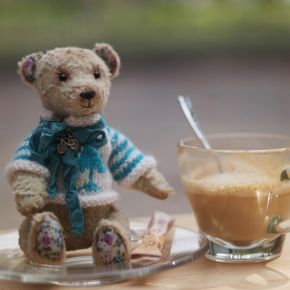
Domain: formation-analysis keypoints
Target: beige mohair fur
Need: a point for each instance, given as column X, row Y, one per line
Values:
column 154, row 184
column 120, row 223
column 63, row 97
column 42, row 71
column 27, row 238
column 60, row 76
column 95, row 217
column 30, row 192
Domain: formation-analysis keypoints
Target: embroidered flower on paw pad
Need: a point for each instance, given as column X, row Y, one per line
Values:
column 49, row 241
column 110, row 246
column 109, row 238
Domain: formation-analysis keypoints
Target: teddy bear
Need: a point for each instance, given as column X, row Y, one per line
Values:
column 63, row 171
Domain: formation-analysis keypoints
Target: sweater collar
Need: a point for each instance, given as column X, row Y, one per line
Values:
column 73, row 121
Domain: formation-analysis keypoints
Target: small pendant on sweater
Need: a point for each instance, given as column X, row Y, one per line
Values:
column 67, row 141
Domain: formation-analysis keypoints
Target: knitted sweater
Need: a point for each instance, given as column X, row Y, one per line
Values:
column 117, row 159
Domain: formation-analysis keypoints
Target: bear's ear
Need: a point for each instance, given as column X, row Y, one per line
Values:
column 109, row 56
column 27, row 67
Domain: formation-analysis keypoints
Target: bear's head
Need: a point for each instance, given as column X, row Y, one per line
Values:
column 72, row 81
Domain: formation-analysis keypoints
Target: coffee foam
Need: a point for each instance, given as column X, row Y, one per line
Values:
column 244, row 179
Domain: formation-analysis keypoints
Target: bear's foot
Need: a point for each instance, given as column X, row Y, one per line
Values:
column 45, row 244
column 109, row 247
column 49, row 240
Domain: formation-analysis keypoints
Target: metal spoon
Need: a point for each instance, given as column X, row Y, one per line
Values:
column 186, row 107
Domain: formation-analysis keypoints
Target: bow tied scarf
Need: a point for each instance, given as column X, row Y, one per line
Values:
column 58, row 147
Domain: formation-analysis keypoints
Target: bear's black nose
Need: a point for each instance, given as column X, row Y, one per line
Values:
column 88, row 95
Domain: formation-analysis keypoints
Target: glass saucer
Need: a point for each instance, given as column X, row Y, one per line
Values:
column 78, row 269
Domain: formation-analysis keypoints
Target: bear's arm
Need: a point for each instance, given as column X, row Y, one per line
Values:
column 132, row 169
column 30, row 191
column 28, row 180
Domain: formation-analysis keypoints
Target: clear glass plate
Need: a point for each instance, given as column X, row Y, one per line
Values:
column 79, row 270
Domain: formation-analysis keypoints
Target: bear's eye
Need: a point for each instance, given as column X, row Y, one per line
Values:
column 97, row 75
column 62, row 77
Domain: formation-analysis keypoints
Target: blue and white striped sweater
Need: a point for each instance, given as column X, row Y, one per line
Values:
column 118, row 159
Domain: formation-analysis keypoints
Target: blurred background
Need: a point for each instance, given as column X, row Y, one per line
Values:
column 232, row 57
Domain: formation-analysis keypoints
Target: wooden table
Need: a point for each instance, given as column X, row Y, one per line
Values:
column 201, row 274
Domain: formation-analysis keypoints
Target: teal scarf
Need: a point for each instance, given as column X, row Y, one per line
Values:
column 57, row 146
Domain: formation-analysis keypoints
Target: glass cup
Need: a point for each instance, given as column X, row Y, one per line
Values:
column 239, row 193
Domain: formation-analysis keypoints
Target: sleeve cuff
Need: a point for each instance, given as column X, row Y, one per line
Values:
column 147, row 163
column 25, row 165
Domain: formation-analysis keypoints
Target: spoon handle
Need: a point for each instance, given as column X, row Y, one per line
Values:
column 191, row 117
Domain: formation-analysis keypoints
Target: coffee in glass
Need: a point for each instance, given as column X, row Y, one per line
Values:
column 236, row 193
